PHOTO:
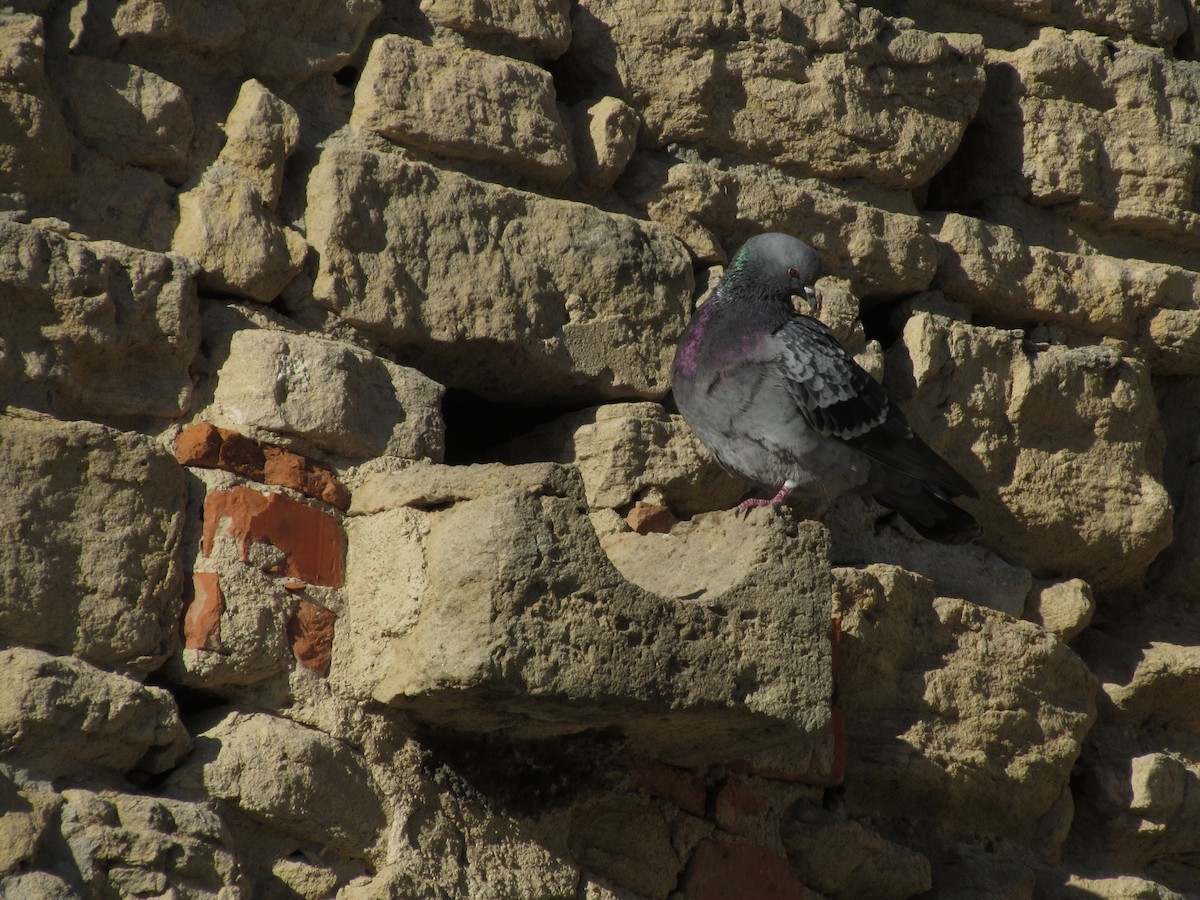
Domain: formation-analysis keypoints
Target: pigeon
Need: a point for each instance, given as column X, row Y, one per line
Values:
column 777, row 400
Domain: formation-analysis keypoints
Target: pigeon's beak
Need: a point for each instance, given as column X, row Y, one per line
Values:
column 810, row 294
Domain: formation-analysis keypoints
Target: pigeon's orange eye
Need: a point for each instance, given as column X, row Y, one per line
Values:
column 794, row 273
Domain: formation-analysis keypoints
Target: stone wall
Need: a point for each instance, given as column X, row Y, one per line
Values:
column 350, row 545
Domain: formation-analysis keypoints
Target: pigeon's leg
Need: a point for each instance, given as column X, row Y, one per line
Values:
column 777, row 500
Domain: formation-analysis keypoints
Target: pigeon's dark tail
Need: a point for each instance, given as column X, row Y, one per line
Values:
column 930, row 510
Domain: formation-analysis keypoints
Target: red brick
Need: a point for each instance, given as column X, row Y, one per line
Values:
column 676, row 786
column 202, row 619
column 311, row 634
column 288, row 469
column 645, row 518
column 311, row 540
column 241, row 455
column 721, row 871
column 198, row 445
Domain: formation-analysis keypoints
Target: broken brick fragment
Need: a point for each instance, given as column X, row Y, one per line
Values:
column 205, row 445
column 310, row 633
column 645, row 518
column 311, row 540
column 724, row 871
column 678, row 787
column 202, row 619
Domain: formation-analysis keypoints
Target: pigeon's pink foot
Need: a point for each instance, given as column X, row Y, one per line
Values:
column 777, row 500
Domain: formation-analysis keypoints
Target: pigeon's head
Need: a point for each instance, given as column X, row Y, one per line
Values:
column 780, row 263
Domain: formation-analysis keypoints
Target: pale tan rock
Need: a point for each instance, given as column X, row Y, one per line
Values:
column 95, row 329
column 935, row 695
column 281, row 42
column 345, row 400
column 1173, row 336
column 563, row 301
column 992, row 272
column 135, row 845
column 1122, row 887
column 286, row 778
column 129, row 114
column 502, row 547
column 25, row 818
column 236, row 240
column 845, row 858
column 465, row 104
column 1064, row 608
column 605, row 136
column 36, row 886
column 624, row 450
column 60, row 716
column 1060, row 442
column 792, row 88
column 542, row 25
column 1159, row 22
column 35, row 144
column 91, row 519
column 261, row 132
column 861, row 233
column 122, row 203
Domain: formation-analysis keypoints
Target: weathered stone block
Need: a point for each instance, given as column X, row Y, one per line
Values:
column 60, row 716
column 519, row 623
column 605, row 136
column 90, row 525
column 799, row 86
column 1062, row 443
column 544, row 26
column 464, row 103
column 129, row 114
column 940, row 725
column 94, row 329
column 510, row 294
column 344, row 399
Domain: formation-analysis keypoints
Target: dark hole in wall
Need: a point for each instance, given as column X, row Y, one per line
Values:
column 346, row 76
column 477, row 428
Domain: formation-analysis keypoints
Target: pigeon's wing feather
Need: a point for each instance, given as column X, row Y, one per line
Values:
column 840, row 399
column 834, row 394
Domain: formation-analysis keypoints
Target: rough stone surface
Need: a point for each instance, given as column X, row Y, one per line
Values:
column 465, row 104
column 495, row 612
column 786, row 84
column 94, row 329
column 91, row 521
column 564, row 300
column 605, row 135
column 940, row 715
column 35, row 145
column 344, row 400
column 1090, row 506
column 542, row 25
column 60, row 717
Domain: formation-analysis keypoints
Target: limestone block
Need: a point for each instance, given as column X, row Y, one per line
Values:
column 284, row 777
column 1173, row 338
column 90, row 524
column 625, row 450
column 1062, row 443
column 281, row 42
column 989, row 270
column 344, row 399
column 1159, row 22
column 235, row 238
column 802, row 88
column 542, row 25
column 554, row 299
column 261, row 132
column 872, row 237
column 133, row 845
column 95, row 329
column 465, row 104
column 1063, row 608
column 36, row 886
column 122, row 203
column 605, row 136
column 1122, row 887
column 937, row 695
column 518, row 623
column 848, row 859
column 35, row 144
column 25, row 817
column 129, row 114
column 60, row 716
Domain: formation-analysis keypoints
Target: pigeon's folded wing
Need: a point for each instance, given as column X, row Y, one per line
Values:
column 834, row 394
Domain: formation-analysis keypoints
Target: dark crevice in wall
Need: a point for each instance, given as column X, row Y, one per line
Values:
column 477, row 429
